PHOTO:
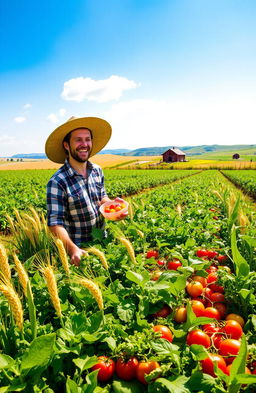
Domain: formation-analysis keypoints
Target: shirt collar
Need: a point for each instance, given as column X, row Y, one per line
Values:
column 71, row 170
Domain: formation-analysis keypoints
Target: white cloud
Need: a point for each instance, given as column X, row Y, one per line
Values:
column 52, row 117
column 190, row 121
column 81, row 89
column 55, row 117
column 20, row 119
column 27, row 106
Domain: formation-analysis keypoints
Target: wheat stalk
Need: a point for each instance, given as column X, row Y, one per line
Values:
column 129, row 248
column 14, row 302
column 36, row 217
column 52, row 288
column 11, row 223
column 93, row 289
column 179, row 210
column 98, row 253
column 63, row 255
column 22, row 274
column 4, row 264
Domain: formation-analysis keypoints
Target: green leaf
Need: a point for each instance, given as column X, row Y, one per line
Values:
column 6, row 361
column 86, row 362
column 32, row 311
column 111, row 342
column 71, row 386
column 199, row 351
column 203, row 382
column 126, row 310
column 238, row 367
column 174, row 384
column 92, row 382
column 39, row 353
column 127, row 387
column 138, row 278
column 246, row 379
column 242, row 267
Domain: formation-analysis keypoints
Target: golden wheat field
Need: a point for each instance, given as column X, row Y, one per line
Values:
column 104, row 160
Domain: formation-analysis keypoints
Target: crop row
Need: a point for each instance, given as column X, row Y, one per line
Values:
column 244, row 179
column 20, row 189
column 136, row 279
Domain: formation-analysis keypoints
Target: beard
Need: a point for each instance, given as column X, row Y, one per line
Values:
column 75, row 155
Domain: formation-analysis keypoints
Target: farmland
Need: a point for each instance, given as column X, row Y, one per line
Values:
column 184, row 259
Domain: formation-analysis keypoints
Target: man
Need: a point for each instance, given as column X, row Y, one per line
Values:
column 76, row 191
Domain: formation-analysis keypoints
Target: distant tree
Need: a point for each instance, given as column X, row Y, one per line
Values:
column 236, row 156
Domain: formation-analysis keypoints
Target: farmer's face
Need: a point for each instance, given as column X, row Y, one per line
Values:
column 80, row 145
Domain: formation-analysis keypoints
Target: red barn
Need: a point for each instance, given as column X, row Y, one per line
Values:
column 174, row 155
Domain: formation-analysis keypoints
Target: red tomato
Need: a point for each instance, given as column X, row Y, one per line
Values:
column 197, row 307
column 163, row 312
column 233, row 329
column 180, row 315
column 201, row 279
column 106, row 367
column 145, row 368
column 174, row 264
column 212, row 312
column 211, row 254
column 222, row 308
column 236, row 318
column 229, row 347
column 210, row 329
column 211, row 280
column 199, row 337
column 217, row 339
column 161, row 262
column 165, row 332
column 217, row 297
column 211, row 269
column 127, row 370
column 208, row 364
column 222, row 258
column 201, row 253
column 152, row 254
column 207, row 293
column 194, row 289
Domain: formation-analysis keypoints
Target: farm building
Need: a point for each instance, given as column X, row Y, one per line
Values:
column 174, row 155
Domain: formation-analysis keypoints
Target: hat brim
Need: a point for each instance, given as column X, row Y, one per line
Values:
column 101, row 133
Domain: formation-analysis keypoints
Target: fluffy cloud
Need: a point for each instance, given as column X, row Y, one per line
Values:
column 55, row 118
column 20, row 119
column 81, row 89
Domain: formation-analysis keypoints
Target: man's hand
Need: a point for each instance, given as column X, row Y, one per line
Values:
column 122, row 215
column 76, row 255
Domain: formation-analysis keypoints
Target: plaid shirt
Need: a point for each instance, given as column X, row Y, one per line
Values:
column 73, row 201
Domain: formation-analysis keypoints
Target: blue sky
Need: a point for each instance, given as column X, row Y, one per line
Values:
column 162, row 72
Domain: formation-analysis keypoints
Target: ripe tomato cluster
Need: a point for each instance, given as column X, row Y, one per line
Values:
column 114, row 207
column 164, row 263
column 126, row 369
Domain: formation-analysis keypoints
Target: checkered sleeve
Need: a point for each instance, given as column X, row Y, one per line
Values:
column 55, row 204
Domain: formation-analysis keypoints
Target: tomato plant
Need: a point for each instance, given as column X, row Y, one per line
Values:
column 199, row 337
column 127, row 369
column 106, row 367
column 145, row 368
column 164, row 331
column 208, row 364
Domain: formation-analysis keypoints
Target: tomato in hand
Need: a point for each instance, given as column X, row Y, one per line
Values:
column 145, row 368
column 127, row 370
column 106, row 367
column 208, row 364
column 164, row 331
column 198, row 337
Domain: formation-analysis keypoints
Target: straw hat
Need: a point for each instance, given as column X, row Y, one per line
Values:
column 101, row 132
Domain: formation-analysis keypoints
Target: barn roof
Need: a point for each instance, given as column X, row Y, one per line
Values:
column 176, row 151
